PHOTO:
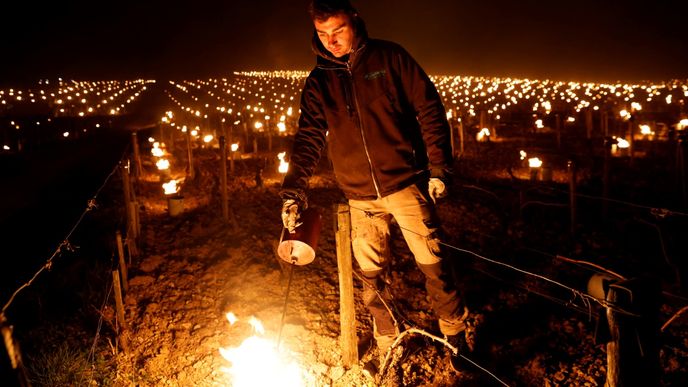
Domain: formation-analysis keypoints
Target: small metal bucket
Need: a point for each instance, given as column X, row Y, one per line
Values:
column 175, row 205
column 299, row 247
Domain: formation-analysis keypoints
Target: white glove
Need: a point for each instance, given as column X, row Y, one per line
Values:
column 290, row 215
column 437, row 189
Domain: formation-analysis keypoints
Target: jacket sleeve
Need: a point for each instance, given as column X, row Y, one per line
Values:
column 423, row 96
column 309, row 142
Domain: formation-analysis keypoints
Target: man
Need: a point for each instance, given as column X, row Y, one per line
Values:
column 389, row 142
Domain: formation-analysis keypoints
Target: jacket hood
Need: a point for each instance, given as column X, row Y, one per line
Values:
column 325, row 58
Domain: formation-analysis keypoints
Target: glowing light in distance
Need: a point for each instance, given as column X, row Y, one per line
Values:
column 484, row 134
column 683, row 124
column 163, row 164
column 283, row 165
column 170, row 187
column 645, row 130
column 534, row 162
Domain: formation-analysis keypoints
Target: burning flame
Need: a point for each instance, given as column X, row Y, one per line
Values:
column 483, row 135
column 683, row 124
column 256, row 362
column 208, row 138
column 163, row 164
column 534, row 162
column 157, row 151
column 170, row 187
column 646, row 130
column 283, row 165
column 622, row 143
column 523, row 154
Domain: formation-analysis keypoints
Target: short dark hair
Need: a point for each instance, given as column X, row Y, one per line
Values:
column 322, row 10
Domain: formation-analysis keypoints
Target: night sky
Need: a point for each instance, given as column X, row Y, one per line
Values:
column 585, row 40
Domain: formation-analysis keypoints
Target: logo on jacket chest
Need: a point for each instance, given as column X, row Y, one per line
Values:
column 375, row 74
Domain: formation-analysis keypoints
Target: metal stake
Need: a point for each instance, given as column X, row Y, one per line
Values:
column 286, row 299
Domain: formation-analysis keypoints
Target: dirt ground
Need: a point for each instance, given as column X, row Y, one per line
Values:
column 195, row 268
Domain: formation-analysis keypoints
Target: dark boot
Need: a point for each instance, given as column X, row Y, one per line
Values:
column 459, row 343
column 444, row 298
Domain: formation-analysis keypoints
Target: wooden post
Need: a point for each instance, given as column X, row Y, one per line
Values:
column 126, row 187
column 461, row 138
column 231, row 162
column 588, row 123
column 119, row 304
column 223, row 178
column 245, row 124
column 189, row 155
column 14, row 352
column 131, row 248
column 681, row 167
column 347, row 311
column 631, row 141
column 122, row 263
column 605, row 175
column 605, row 123
column 452, row 139
column 557, row 126
column 572, row 195
column 231, row 152
column 633, row 318
column 493, row 126
column 137, row 154
column 134, row 214
column 269, row 132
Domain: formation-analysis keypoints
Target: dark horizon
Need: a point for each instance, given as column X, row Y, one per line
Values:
column 578, row 41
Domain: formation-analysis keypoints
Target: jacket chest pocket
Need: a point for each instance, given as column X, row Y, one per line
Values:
column 373, row 85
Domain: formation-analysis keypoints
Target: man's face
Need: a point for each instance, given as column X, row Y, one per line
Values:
column 336, row 34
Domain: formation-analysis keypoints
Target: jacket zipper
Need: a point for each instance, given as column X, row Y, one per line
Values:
column 360, row 126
